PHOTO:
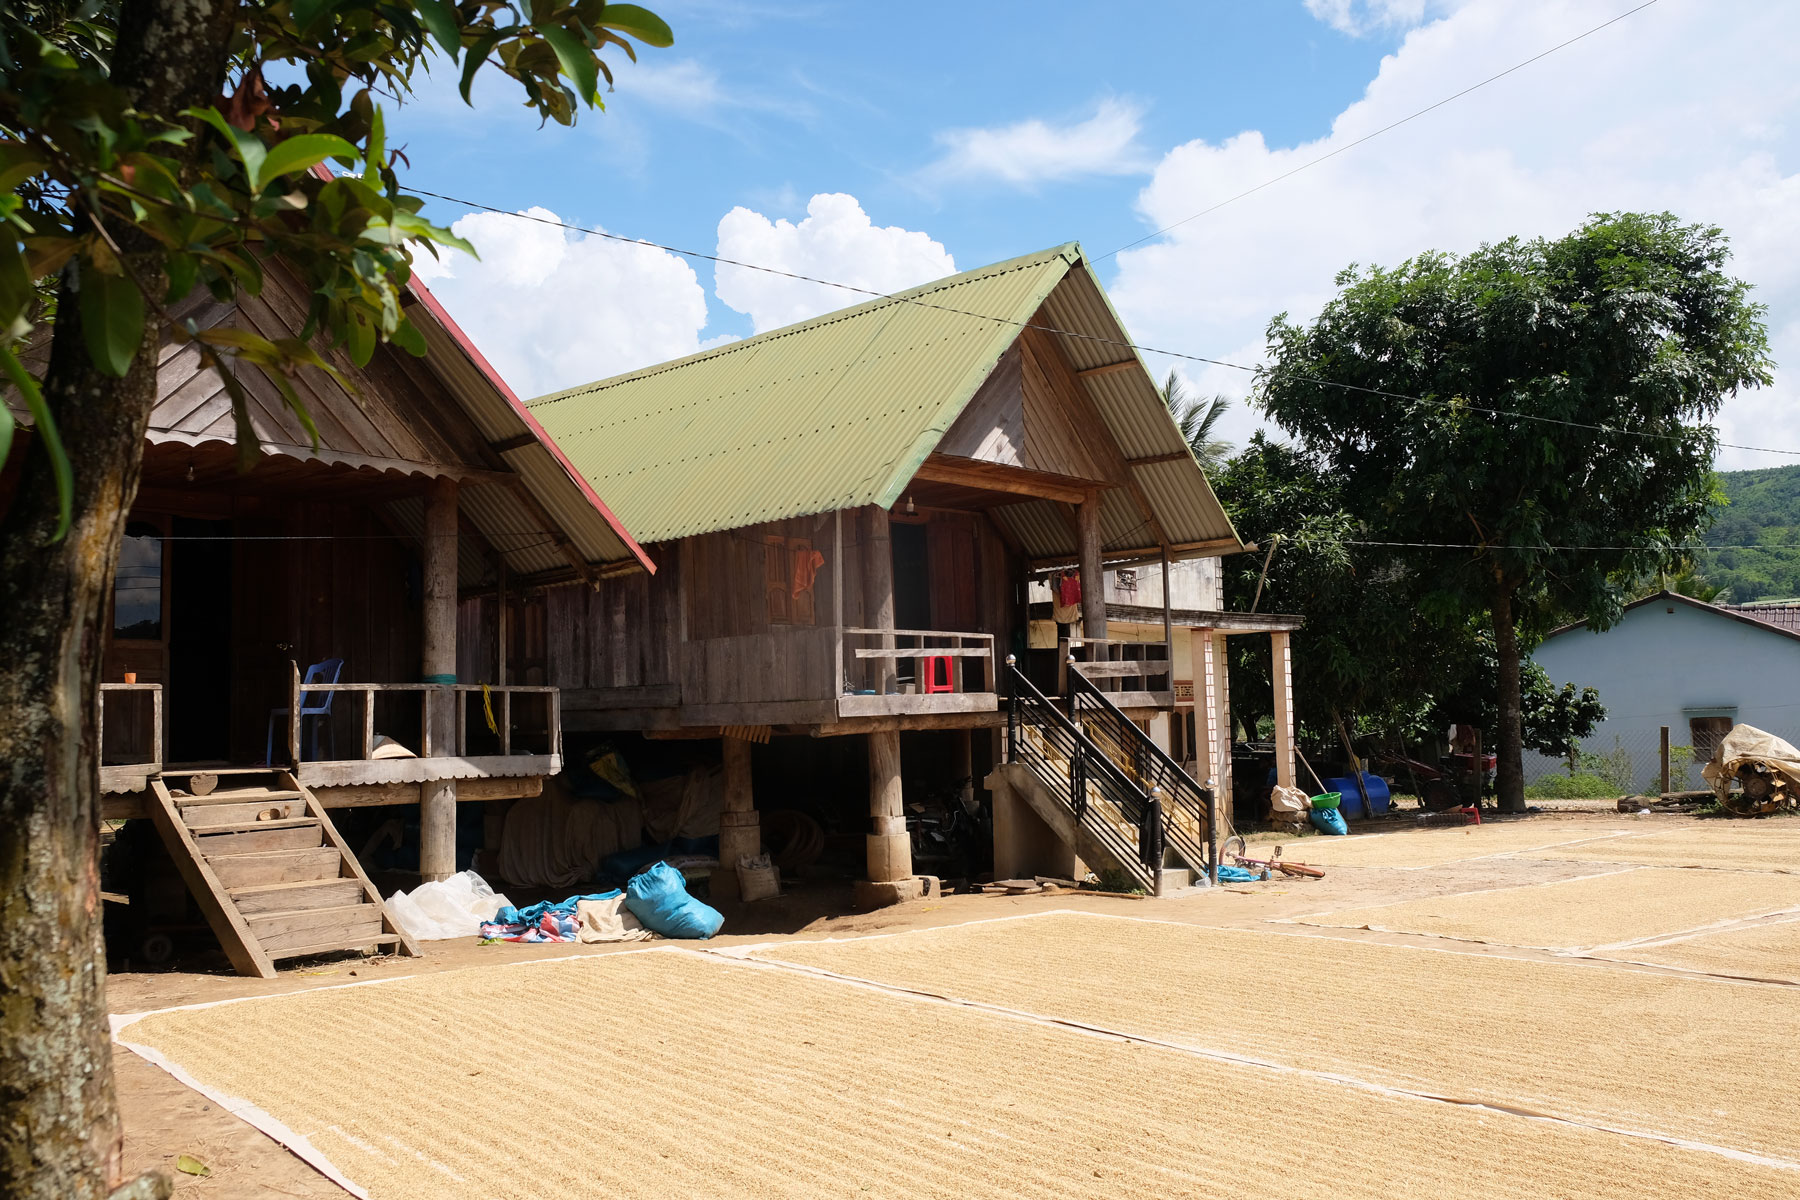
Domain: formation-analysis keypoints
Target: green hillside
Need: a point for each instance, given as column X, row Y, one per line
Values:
column 1764, row 513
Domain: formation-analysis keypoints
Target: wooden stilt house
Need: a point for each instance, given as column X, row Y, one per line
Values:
column 285, row 640
column 845, row 515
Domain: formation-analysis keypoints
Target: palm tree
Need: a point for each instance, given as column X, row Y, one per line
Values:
column 1197, row 419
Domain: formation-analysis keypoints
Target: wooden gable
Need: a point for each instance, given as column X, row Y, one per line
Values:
column 1031, row 413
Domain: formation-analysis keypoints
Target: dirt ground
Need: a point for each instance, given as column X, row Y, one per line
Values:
column 164, row 1119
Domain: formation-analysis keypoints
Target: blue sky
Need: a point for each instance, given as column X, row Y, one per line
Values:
column 883, row 145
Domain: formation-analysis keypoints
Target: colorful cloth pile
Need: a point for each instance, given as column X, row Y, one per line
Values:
column 548, row 921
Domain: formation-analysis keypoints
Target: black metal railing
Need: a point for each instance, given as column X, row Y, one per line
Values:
column 1104, row 800
column 1189, row 809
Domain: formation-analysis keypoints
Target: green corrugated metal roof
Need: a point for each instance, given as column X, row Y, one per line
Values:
column 831, row 413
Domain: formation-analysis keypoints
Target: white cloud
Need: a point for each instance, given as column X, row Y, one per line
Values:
column 1358, row 17
column 684, row 85
column 835, row 241
column 1035, row 151
column 553, row 309
column 1690, row 107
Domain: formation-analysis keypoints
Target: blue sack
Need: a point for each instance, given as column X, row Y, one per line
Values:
column 1329, row 820
column 1236, row 875
column 659, row 898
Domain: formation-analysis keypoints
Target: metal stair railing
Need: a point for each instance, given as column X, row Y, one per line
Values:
column 1101, row 796
column 1190, row 808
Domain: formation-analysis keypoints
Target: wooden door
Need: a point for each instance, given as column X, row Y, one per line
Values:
column 955, row 598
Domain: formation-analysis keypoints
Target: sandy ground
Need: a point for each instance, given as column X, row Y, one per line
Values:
column 164, row 1119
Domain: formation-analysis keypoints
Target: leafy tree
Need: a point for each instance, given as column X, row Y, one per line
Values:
column 146, row 157
column 1197, row 420
column 1538, row 405
column 1755, row 537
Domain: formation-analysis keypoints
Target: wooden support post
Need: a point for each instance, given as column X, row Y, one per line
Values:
column 437, row 664
column 838, row 679
column 368, row 724
column 500, row 627
column 1665, row 760
column 505, row 723
column 890, row 852
column 740, row 829
column 293, row 729
column 1168, row 619
column 1221, row 722
column 878, row 593
column 1093, row 579
column 1281, row 670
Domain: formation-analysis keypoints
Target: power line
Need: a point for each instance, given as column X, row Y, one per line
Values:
column 1377, row 133
column 1136, row 347
column 1686, row 546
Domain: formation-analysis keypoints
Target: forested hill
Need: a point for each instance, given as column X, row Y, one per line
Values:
column 1764, row 512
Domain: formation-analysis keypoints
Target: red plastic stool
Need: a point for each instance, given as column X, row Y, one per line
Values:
column 933, row 683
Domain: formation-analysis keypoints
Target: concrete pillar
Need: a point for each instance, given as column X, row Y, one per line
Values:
column 437, row 664
column 878, row 594
column 962, row 760
column 740, row 828
column 890, row 853
column 1281, row 674
column 1093, row 579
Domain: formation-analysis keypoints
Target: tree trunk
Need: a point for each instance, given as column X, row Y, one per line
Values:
column 59, row 1127
column 1509, row 773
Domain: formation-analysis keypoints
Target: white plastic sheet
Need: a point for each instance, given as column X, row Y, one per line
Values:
column 452, row 908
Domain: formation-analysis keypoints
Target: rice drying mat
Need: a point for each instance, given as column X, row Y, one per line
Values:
column 1432, row 847
column 1591, row 912
column 1679, row 1056
column 668, row 1072
column 1759, row 845
column 1768, row 951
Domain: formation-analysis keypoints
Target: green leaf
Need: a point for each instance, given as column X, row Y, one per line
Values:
column 187, row 1164
column 406, row 335
column 576, row 60
column 300, row 153
column 112, row 320
column 249, row 147
column 376, row 149
column 477, row 56
column 445, row 24
column 640, row 23
column 60, row 470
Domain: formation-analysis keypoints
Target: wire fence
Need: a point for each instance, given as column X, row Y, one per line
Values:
column 1625, row 762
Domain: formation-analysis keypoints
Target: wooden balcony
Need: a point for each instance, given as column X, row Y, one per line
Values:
column 950, row 672
column 1133, row 675
column 516, row 731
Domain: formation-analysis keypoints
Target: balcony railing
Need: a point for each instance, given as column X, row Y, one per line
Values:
column 950, row 672
column 514, row 744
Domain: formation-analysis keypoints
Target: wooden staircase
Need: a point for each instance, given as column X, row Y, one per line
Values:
column 268, row 867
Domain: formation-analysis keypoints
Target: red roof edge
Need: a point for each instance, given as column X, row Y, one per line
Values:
column 418, row 288
column 500, row 385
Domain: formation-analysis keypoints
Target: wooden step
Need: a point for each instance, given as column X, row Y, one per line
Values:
column 351, row 925
column 272, row 874
column 280, row 866
column 296, row 895
column 245, row 795
column 386, row 939
column 257, row 812
column 285, row 835
column 301, row 822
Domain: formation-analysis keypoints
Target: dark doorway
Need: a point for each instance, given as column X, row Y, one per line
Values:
column 199, row 696
column 912, row 576
column 912, row 588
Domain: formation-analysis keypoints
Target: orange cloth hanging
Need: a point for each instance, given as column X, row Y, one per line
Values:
column 806, row 569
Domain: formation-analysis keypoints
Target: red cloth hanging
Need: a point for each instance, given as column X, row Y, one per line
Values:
column 1068, row 590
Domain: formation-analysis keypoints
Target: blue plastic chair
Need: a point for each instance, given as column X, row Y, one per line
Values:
column 310, row 706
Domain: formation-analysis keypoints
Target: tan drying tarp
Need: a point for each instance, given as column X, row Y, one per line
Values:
column 1746, row 743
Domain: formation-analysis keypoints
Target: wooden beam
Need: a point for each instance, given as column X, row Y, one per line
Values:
column 878, row 589
column 1093, row 576
column 516, row 442
column 995, row 477
column 1112, row 368
column 552, row 530
column 1218, row 546
column 1148, row 459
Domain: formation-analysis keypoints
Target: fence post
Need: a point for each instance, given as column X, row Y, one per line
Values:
column 1665, row 760
column 1212, row 834
column 1012, row 710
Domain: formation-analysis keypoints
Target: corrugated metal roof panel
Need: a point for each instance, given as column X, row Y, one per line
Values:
column 408, row 514
column 840, row 411
column 496, row 412
column 511, row 529
column 832, row 413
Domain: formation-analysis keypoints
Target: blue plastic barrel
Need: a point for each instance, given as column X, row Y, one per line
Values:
column 1352, row 804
